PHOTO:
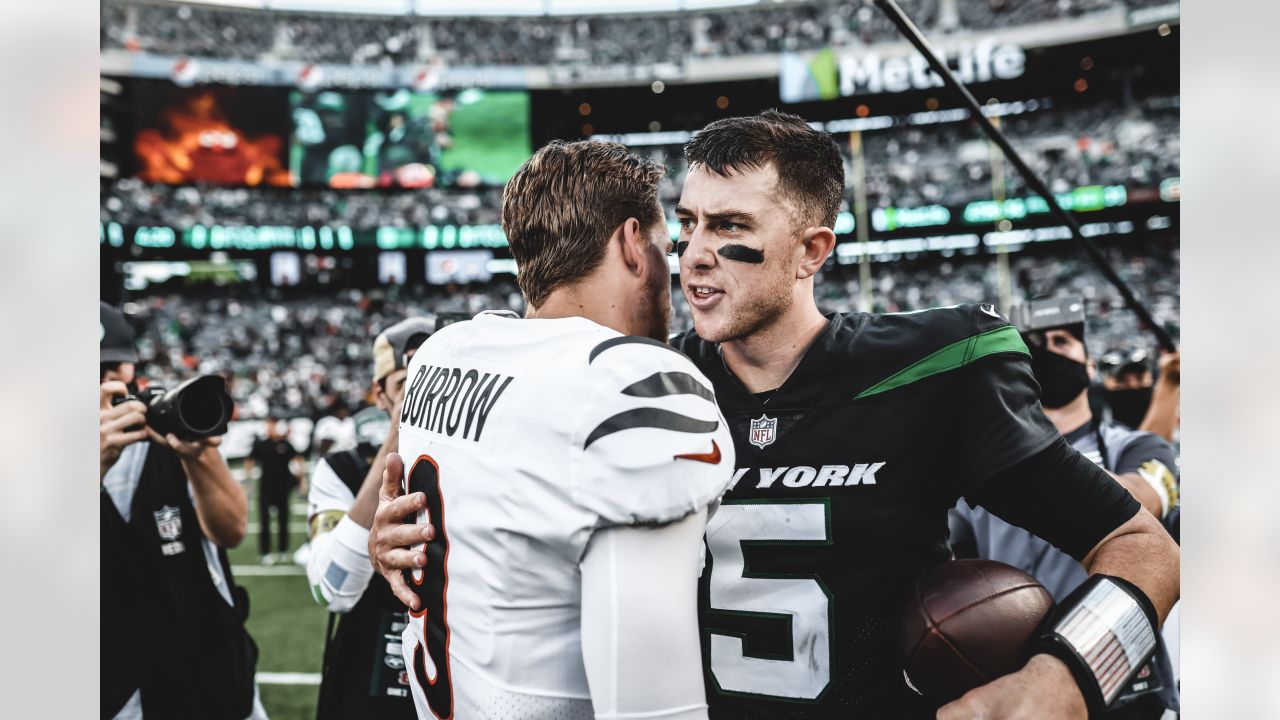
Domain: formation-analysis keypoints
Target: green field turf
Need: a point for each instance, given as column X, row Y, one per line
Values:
column 283, row 619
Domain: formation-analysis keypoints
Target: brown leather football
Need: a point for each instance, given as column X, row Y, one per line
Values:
column 967, row 623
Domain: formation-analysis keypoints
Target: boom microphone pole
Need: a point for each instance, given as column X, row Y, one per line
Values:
column 909, row 30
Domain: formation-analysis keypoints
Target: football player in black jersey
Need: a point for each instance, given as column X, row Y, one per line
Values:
column 854, row 435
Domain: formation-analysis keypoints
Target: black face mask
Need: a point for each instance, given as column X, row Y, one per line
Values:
column 1061, row 378
column 1129, row 406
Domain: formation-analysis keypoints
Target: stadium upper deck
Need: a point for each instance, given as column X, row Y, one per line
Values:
column 196, row 30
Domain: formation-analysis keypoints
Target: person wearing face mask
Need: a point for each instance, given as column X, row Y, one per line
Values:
column 1127, row 382
column 1138, row 398
column 1142, row 462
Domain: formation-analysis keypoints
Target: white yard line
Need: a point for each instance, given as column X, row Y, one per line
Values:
column 287, row 678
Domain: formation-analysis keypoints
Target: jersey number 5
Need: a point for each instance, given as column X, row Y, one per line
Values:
column 805, row 603
column 430, row 583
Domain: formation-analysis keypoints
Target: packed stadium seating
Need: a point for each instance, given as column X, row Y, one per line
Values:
column 178, row 29
column 294, row 355
column 1098, row 144
column 130, row 201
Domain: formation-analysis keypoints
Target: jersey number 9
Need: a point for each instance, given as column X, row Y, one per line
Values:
column 430, row 583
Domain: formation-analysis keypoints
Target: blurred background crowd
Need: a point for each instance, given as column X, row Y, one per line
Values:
column 635, row 39
column 290, row 333
column 302, row 354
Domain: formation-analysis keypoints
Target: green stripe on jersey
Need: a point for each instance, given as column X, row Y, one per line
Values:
column 953, row 357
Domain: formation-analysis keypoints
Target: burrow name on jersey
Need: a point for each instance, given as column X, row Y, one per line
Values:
column 805, row 476
column 446, row 400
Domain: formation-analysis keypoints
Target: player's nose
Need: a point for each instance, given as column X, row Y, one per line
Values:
column 700, row 253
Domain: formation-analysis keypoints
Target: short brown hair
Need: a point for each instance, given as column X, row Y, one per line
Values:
column 810, row 170
column 561, row 206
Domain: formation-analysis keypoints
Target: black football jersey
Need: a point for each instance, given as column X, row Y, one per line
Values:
column 843, row 481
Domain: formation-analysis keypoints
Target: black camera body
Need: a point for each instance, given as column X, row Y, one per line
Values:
column 198, row 408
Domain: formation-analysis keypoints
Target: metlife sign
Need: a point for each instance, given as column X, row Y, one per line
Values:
column 827, row 75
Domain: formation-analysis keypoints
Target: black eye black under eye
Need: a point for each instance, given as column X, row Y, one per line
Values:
column 681, row 246
column 741, row 253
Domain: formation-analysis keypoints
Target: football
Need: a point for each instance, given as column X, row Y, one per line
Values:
column 968, row 622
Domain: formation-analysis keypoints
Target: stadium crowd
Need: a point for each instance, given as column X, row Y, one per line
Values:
column 250, row 34
column 131, row 201
column 1103, row 143
column 908, row 166
column 1106, row 143
column 296, row 355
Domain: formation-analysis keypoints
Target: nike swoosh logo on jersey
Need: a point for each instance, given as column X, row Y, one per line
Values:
column 712, row 457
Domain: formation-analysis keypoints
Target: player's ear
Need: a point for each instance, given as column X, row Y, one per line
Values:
column 380, row 399
column 633, row 246
column 816, row 244
column 1092, row 367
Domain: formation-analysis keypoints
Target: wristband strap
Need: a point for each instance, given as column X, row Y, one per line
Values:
column 1104, row 631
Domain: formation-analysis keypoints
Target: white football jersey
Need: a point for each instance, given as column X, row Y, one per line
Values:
column 527, row 436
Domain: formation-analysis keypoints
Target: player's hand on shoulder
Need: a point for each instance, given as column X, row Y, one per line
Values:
column 391, row 541
column 1042, row 690
column 116, row 424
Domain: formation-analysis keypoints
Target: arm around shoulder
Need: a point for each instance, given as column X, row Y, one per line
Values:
column 640, row 639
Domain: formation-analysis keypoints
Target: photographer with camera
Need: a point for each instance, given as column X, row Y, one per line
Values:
column 173, row 638
column 364, row 675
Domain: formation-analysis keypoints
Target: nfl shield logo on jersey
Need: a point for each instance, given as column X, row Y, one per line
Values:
column 169, row 524
column 763, row 431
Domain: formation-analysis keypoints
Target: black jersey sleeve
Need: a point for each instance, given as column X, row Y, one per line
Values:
column 998, row 419
column 1059, row 495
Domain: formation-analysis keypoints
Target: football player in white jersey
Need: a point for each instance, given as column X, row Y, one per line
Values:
column 566, row 462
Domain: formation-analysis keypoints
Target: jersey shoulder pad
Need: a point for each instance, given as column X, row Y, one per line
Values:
column 650, row 444
column 941, row 326
column 900, row 348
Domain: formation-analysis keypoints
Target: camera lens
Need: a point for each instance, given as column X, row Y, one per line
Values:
column 202, row 413
column 199, row 407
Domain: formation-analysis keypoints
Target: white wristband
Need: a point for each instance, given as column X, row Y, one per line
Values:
column 1109, row 630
